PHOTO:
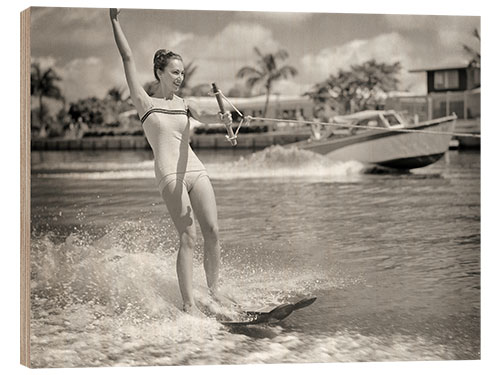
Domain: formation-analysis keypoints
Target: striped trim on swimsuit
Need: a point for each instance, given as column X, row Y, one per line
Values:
column 164, row 111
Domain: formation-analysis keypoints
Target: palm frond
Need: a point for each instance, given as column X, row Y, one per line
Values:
column 248, row 71
column 476, row 34
column 288, row 71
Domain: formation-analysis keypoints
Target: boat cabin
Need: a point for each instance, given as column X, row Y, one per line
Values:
column 374, row 119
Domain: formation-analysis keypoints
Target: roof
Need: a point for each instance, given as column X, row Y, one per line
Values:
column 446, row 67
column 363, row 115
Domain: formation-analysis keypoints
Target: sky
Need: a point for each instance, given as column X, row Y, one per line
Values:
column 78, row 43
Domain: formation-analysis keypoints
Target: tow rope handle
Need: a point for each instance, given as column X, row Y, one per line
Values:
column 230, row 134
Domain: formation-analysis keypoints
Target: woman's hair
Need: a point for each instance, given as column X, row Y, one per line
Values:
column 161, row 60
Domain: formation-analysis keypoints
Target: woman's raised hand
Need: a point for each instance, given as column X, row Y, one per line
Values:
column 226, row 117
column 114, row 12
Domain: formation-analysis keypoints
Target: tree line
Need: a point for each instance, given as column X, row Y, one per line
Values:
column 356, row 89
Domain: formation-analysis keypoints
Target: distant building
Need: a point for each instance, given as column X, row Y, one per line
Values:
column 455, row 78
column 286, row 107
column 452, row 89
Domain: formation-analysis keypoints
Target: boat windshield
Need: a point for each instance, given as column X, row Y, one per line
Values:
column 374, row 122
column 392, row 120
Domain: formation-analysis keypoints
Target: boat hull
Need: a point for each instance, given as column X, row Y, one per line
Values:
column 411, row 162
column 390, row 148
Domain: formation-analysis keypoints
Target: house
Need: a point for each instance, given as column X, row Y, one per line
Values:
column 454, row 89
column 450, row 89
column 455, row 78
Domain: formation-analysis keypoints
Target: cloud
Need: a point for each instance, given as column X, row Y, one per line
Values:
column 422, row 23
column 446, row 49
column 237, row 41
column 68, row 17
column 219, row 57
column 145, row 49
column 277, row 17
column 82, row 78
column 440, row 37
column 452, row 41
column 168, row 39
column 412, row 22
column 388, row 48
column 45, row 62
column 68, row 27
column 231, row 49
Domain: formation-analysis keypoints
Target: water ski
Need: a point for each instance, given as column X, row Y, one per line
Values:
column 269, row 314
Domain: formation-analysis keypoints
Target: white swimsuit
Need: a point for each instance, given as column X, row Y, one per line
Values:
column 167, row 131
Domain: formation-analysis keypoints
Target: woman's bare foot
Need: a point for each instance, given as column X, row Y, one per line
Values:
column 222, row 299
column 193, row 311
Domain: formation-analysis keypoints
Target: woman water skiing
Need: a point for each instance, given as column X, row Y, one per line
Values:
column 181, row 177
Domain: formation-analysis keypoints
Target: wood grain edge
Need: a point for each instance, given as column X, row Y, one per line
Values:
column 25, row 124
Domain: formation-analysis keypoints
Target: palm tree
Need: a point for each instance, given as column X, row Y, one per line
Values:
column 43, row 84
column 267, row 72
column 475, row 55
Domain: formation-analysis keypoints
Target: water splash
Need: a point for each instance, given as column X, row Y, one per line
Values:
column 131, row 270
column 281, row 162
column 113, row 299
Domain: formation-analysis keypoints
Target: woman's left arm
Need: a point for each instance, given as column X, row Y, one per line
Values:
column 208, row 118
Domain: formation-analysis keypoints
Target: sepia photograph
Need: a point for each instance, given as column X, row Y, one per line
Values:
column 236, row 187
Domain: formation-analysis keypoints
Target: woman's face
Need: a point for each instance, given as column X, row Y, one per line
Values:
column 173, row 74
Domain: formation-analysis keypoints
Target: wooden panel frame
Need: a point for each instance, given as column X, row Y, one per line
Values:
column 25, row 178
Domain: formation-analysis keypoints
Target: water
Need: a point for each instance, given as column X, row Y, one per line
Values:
column 394, row 260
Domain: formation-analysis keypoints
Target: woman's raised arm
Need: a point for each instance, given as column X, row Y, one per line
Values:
column 208, row 118
column 140, row 98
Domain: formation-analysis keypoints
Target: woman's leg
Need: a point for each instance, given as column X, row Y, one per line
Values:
column 179, row 206
column 204, row 206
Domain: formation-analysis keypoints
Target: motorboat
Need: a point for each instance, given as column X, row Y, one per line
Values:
column 382, row 138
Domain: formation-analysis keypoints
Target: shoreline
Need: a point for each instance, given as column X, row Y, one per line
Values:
column 131, row 142
column 252, row 141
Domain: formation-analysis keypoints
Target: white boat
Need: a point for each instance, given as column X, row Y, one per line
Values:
column 385, row 139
